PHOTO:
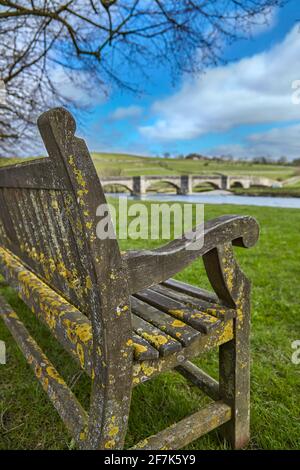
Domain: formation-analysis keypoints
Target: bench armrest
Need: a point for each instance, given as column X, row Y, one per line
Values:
column 149, row 267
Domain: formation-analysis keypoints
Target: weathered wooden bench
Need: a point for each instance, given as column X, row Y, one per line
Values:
column 121, row 316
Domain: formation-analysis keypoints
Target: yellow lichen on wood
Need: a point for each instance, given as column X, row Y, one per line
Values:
column 13, row 314
column 80, row 354
column 201, row 315
column 45, row 383
column 139, row 348
column 147, row 370
column 177, row 313
column 178, row 324
column 84, row 332
column 54, row 375
column 109, row 444
column 38, row 371
column 54, row 204
column 113, row 429
column 227, row 333
column 88, row 282
column 156, row 340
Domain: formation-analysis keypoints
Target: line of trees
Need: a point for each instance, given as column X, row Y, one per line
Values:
column 262, row 160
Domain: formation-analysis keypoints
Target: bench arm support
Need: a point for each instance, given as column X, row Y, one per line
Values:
column 149, row 267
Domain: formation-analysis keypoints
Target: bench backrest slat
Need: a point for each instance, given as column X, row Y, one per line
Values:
column 43, row 228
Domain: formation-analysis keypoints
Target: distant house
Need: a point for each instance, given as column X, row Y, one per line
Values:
column 195, row 156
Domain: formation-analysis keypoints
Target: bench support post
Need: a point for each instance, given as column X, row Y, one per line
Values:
column 234, row 373
column 233, row 288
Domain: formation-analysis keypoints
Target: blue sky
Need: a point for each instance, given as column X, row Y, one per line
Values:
column 245, row 108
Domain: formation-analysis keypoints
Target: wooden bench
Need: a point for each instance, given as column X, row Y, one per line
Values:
column 121, row 316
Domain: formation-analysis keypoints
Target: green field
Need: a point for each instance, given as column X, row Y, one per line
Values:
column 28, row 421
column 130, row 165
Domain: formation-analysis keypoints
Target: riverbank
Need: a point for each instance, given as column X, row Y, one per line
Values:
column 293, row 191
column 218, row 196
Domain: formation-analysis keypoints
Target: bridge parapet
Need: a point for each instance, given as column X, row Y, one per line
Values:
column 184, row 183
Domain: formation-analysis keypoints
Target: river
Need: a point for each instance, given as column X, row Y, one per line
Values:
column 219, row 197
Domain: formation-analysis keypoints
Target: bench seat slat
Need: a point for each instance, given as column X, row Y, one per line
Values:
column 219, row 311
column 143, row 351
column 161, row 341
column 189, row 289
column 179, row 330
column 201, row 321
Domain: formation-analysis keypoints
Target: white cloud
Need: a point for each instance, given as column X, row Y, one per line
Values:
column 254, row 90
column 126, row 113
column 275, row 143
column 80, row 89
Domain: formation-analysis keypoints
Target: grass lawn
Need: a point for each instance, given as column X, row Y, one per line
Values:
column 28, row 420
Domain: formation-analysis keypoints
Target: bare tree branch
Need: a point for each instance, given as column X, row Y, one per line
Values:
column 43, row 39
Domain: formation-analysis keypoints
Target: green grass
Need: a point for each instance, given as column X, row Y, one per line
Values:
column 28, row 421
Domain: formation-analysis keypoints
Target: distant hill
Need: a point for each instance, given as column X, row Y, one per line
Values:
column 117, row 164
column 9, row 161
column 111, row 164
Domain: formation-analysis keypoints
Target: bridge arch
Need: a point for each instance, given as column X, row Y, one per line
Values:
column 239, row 184
column 236, row 184
column 152, row 185
column 215, row 182
column 210, row 185
column 116, row 188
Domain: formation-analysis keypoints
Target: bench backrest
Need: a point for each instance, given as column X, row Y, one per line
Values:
column 48, row 219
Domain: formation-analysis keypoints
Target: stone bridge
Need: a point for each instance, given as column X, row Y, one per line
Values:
column 184, row 184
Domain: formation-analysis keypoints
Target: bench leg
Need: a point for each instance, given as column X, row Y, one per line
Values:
column 233, row 288
column 234, row 376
